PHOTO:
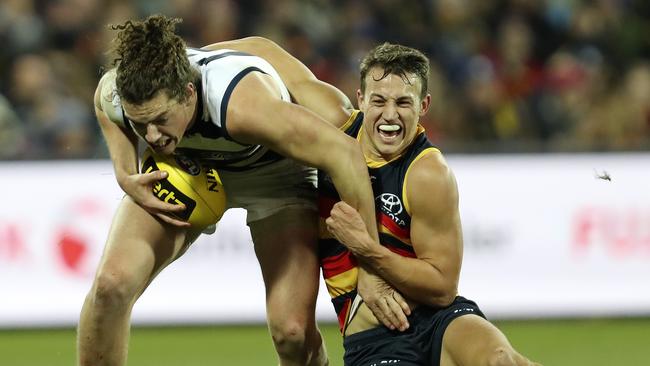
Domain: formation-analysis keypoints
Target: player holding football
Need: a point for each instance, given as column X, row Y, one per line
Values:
column 231, row 110
column 419, row 250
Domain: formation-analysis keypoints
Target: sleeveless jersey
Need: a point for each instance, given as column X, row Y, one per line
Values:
column 208, row 140
column 393, row 220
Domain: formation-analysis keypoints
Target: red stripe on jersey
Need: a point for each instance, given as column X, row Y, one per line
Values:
column 400, row 251
column 389, row 224
column 343, row 314
column 325, row 205
column 338, row 264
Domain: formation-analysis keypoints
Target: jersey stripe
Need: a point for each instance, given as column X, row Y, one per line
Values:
column 407, row 206
column 389, row 224
column 385, row 231
column 342, row 283
column 337, row 264
column 207, row 60
column 228, row 92
column 396, row 245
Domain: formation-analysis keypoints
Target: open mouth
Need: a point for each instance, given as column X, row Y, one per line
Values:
column 163, row 145
column 389, row 131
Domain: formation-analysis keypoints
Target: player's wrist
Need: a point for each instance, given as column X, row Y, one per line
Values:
column 373, row 253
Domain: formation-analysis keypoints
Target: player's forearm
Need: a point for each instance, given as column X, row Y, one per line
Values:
column 415, row 278
column 125, row 160
column 122, row 148
column 350, row 177
column 312, row 141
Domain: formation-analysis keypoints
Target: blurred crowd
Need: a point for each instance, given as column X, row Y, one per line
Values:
column 507, row 75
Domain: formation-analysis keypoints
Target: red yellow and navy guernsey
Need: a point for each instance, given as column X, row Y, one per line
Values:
column 393, row 218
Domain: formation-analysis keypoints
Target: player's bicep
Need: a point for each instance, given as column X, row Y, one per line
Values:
column 327, row 101
column 436, row 232
column 257, row 115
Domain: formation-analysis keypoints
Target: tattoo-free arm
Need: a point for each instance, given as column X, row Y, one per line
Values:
column 257, row 115
column 432, row 277
column 122, row 143
column 123, row 148
column 325, row 100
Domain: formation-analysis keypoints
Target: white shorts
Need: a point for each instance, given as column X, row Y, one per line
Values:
column 266, row 190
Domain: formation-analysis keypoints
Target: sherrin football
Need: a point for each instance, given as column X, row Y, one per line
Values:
column 190, row 183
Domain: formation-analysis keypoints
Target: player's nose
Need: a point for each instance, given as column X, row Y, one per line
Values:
column 153, row 134
column 389, row 112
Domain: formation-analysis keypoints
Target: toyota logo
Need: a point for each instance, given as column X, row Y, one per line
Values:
column 391, row 203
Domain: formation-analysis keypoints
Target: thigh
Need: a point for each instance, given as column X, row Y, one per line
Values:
column 139, row 245
column 285, row 245
column 468, row 339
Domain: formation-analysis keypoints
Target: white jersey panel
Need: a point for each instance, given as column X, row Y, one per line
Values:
column 221, row 70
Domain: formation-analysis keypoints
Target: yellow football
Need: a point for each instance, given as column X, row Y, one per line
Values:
column 198, row 187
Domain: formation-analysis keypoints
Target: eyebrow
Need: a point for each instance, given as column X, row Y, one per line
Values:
column 156, row 118
column 401, row 98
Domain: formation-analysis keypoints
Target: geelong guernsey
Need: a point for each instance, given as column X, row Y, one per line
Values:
column 393, row 221
column 208, row 140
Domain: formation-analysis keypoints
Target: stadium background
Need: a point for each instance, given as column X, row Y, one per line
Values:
column 524, row 79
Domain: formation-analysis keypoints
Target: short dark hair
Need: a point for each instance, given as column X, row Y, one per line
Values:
column 150, row 57
column 398, row 60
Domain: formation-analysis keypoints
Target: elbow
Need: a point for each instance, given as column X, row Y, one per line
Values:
column 442, row 298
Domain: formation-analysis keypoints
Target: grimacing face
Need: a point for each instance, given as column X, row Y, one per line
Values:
column 162, row 121
column 392, row 109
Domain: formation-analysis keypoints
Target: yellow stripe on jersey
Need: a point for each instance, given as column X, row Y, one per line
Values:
column 350, row 120
column 406, row 176
column 383, row 229
column 342, row 283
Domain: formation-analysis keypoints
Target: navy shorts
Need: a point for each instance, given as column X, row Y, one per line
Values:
column 419, row 345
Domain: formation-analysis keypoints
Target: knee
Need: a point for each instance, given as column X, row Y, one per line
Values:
column 112, row 290
column 289, row 336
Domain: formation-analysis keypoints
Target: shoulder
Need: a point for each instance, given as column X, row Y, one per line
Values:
column 104, row 92
column 429, row 166
column 429, row 180
column 106, row 99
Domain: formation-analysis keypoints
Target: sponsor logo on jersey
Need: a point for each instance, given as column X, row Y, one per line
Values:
column 390, row 203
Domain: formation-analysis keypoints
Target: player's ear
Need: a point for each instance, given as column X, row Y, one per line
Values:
column 190, row 89
column 359, row 98
column 424, row 105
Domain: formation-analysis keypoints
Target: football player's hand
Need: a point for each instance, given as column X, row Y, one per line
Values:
column 140, row 188
column 388, row 305
column 347, row 226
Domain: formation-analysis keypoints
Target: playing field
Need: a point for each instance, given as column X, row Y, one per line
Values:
column 600, row 342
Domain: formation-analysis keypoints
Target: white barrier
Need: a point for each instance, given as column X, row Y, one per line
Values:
column 543, row 237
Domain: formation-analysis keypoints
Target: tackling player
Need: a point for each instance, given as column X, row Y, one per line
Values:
column 419, row 251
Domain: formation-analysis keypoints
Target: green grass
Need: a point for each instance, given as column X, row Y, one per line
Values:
column 597, row 342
